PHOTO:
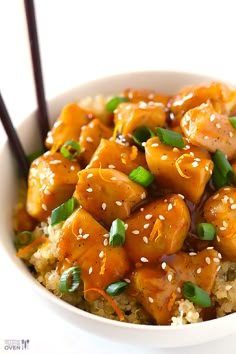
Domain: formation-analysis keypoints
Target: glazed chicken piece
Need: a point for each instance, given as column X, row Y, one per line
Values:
column 67, row 126
column 221, row 96
column 145, row 95
column 129, row 116
column 220, row 210
column 157, row 287
column 211, row 130
column 52, row 180
column 184, row 171
column 84, row 243
column 159, row 228
column 124, row 158
column 107, row 194
column 90, row 137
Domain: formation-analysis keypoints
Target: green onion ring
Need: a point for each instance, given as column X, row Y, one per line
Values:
column 71, row 274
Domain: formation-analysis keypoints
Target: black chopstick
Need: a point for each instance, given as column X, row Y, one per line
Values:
column 43, row 121
column 14, row 140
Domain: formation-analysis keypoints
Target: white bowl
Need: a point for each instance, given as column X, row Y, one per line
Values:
column 149, row 336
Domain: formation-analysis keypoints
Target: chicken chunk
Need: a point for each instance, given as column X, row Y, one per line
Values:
column 206, row 128
column 220, row 210
column 107, row 194
column 90, row 137
column 184, row 171
column 129, row 116
column 220, row 95
column 52, row 180
column 82, row 244
column 157, row 287
column 67, row 126
column 158, row 229
column 124, row 158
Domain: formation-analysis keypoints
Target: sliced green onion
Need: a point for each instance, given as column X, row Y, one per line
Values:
column 195, row 294
column 24, row 238
column 171, row 138
column 233, row 121
column 142, row 134
column 62, row 212
column 114, row 102
column 70, row 280
column 141, row 176
column 65, row 149
column 117, row 233
column 206, row 231
column 31, row 157
column 222, row 172
column 116, row 288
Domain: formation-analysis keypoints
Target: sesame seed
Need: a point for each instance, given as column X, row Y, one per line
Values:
column 46, row 192
column 206, row 168
column 216, row 260
column 231, row 134
column 233, row 206
column 195, row 164
column 90, row 270
column 208, row 260
column 143, row 195
column 197, row 159
column 90, row 175
column 231, row 200
column 113, row 178
column 150, row 299
column 55, row 162
column 135, row 232
column 181, row 196
column 219, row 255
column 178, row 290
column 212, row 117
column 170, row 206
column 161, row 217
column 145, row 239
column 105, row 242
column 187, row 147
column 206, row 137
column 106, row 235
column 141, row 209
column 155, row 145
column 210, row 248
column 146, row 226
column 218, row 238
column 169, row 277
column 163, row 265
column 199, row 270
column 72, row 168
column 101, row 254
column 44, row 207
column 228, row 287
column 85, row 236
column 118, row 203
column 218, row 268
column 80, row 231
column 218, row 126
column 89, row 139
column 111, row 166
column 143, row 143
column 215, row 196
column 127, row 280
column 222, row 228
column 89, row 190
column 164, row 157
column 148, row 216
column 143, row 259
column 175, row 149
column 104, row 206
column 126, row 226
column 192, row 253
column 191, row 154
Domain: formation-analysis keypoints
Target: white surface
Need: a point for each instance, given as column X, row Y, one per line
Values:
column 83, row 40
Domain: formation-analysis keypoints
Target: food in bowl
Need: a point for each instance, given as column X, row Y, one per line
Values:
column 129, row 214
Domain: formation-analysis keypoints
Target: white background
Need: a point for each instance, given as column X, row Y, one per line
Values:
column 82, row 40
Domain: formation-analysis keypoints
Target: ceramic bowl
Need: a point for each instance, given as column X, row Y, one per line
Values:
column 149, row 336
